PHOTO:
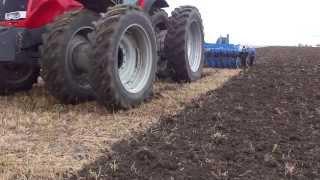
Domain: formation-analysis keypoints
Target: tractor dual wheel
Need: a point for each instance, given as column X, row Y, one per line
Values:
column 125, row 57
column 17, row 77
column 184, row 44
column 160, row 21
column 66, row 55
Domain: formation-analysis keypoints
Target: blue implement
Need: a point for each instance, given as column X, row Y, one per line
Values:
column 222, row 54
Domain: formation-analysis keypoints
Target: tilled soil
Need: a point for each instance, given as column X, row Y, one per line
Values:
column 263, row 124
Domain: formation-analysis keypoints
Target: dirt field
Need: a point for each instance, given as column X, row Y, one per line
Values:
column 41, row 139
column 263, row 123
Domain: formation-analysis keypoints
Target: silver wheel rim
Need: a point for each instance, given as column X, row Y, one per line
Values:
column 134, row 59
column 194, row 46
column 238, row 62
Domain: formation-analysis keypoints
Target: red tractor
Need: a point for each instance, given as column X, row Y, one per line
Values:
column 108, row 50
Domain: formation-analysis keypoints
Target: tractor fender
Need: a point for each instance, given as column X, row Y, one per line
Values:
column 148, row 4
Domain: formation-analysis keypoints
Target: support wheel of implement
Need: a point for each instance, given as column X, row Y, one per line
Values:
column 244, row 62
column 66, row 56
column 125, row 57
column 251, row 60
column 238, row 63
column 17, row 77
column 184, row 44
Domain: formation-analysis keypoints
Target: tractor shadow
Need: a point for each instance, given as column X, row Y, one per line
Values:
column 236, row 132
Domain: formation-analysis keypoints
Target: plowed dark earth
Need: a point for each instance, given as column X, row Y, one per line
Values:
column 263, row 124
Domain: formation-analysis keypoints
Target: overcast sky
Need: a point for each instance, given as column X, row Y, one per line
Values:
column 260, row 22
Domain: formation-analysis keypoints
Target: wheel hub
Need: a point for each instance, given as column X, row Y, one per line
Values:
column 134, row 59
column 78, row 56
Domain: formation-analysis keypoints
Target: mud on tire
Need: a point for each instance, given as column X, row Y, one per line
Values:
column 160, row 21
column 63, row 80
column 125, row 57
column 184, row 44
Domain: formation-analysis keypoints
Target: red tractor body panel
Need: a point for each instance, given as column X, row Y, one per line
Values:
column 23, row 31
column 141, row 3
column 42, row 12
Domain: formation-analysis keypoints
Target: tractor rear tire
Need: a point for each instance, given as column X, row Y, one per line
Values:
column 17, row 77
column 160, row 21
column 125, row 58
column 184, row 44
column 60, row 51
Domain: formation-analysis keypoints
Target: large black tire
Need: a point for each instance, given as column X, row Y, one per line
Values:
column 184, row 21
column 113, row 30
column 62, row 79
column 17, row 77
column 160, row 21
